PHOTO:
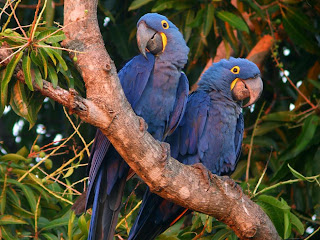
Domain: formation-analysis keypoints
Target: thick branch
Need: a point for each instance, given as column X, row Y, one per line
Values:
column 107, row 108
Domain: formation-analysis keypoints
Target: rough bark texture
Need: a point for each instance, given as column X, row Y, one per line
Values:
column 107, row 108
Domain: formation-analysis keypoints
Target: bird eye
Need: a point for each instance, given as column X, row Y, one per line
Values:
column 165, row 25
column 235, row 70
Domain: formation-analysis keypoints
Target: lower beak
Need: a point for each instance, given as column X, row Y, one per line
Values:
column 250, row 88
column 148, row 39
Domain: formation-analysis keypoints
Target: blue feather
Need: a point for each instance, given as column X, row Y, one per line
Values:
column 157, row 91
column 210, row 133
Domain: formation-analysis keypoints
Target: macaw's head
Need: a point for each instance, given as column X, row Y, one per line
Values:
column 156, row 34
column 236, row 78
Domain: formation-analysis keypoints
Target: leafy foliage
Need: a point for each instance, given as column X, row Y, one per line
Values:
column 285, row 162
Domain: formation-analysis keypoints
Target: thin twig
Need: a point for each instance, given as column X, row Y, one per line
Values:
column 312, row 179
column 251, row 142
column 264, row 172
column 58, row 181
column 129, row 214
column 46, row 157
column 79, row 134
column 67, row 163
column 36, row 219
column 17, row 20
column 38, row 20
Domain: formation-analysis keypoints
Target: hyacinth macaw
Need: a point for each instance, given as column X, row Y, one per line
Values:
column 210, row 133
column 157, row 91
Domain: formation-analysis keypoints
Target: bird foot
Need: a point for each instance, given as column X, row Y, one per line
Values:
column 143, row 125
column 205, row 173
column 165, row 152
column 233, row 184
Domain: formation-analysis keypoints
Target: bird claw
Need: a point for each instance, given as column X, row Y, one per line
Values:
column 165, row 152
column 205, row 173
column 233, row 184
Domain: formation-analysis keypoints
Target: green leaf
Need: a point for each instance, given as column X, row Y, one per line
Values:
column 209, row 225
column 285, row 116
column 222, row 234
column 273, row 201
column 297, row 174
column 197, row 20
column 12, row 157
column 60, row 59
column 26, row 66
column 23, row 151
column 83, row 225
column 233, row 20
column 297, row 223
column 287, row 225
column 275, row 215
column 36, row 58
column 50, row 54
column 9, row 219
column 298, row 34
column 30, row 197
column 70, row 224
column 53, row 75
column 55, row 38
column 69, row 173
column 208, row 19
column 7, row 77
column 137, row 4
column 50, row 236
column 38, row 77
column 42, row 54
column 56, row 223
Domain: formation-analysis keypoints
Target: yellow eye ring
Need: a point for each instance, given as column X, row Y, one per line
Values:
column 235, row 70
column 165, row 24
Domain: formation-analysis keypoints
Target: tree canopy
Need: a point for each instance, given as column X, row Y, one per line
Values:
column 45, row 149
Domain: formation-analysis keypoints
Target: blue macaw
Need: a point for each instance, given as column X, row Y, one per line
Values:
column 157, row 91
column 210, row 133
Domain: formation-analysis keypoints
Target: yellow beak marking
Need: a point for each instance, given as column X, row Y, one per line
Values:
column 164, row 41
column 233, row 83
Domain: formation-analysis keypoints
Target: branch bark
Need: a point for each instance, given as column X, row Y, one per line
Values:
column 107, row 108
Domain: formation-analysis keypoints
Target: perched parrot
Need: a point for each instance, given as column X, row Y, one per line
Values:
column 157, row 91
column 210, row 133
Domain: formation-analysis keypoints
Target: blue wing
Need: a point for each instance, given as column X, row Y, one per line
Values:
column 186, row 138
column 135, row 75
column 108, row 171
column 179, row 106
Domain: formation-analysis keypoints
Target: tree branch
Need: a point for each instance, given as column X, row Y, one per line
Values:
column 107, row 108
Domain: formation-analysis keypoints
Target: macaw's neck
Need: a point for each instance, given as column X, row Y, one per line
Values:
column 176, row 51
column 218, row 97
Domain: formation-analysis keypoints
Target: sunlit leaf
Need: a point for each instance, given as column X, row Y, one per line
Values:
column 7, row 77
column 83, row 225
column 9, row 219
column 26, row 66
column 12, row 157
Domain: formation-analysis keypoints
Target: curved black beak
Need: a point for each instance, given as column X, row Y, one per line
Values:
column 250, row 88
column 149, row 39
